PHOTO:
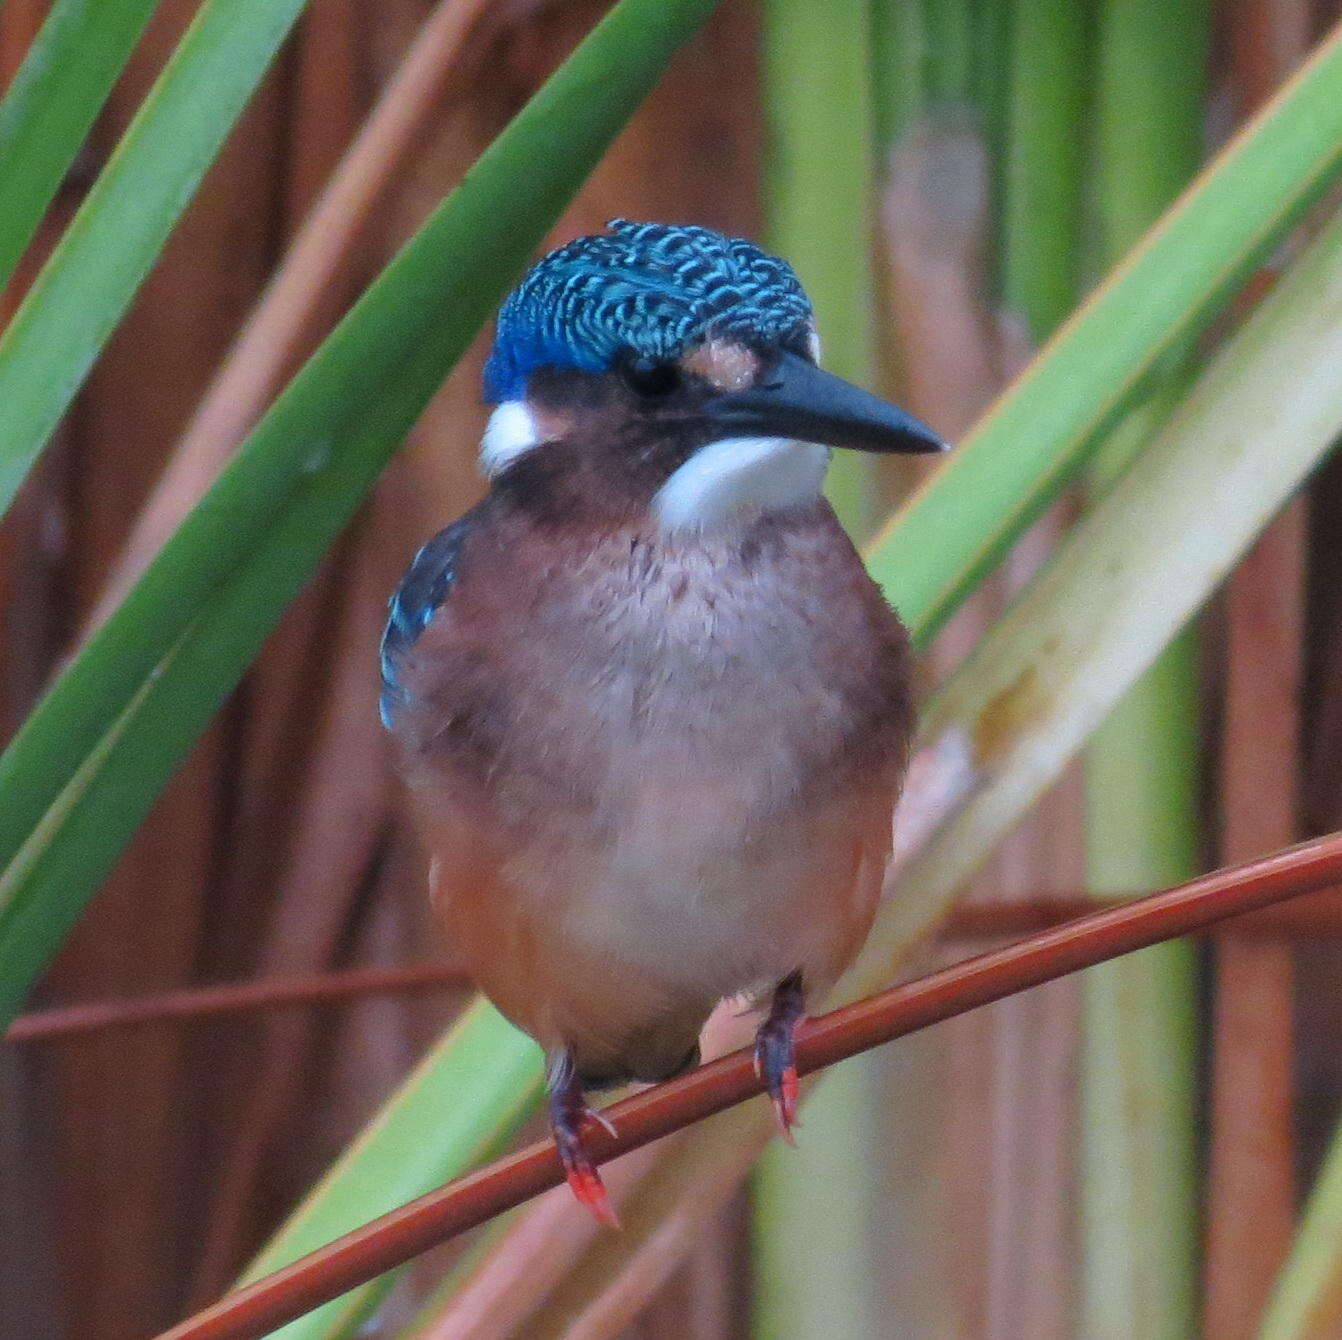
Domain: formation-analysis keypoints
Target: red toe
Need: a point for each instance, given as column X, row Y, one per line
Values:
column 785, row 1103
column 586, row 1184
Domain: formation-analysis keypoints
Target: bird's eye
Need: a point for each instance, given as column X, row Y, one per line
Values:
column 651, row 378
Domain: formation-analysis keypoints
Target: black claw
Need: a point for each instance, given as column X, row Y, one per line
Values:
column 775, row 1055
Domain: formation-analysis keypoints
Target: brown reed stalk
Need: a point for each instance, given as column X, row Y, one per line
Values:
column 210, row 1002
column 1251, row 1154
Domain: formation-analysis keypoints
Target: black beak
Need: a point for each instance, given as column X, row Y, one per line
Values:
column 794, row 398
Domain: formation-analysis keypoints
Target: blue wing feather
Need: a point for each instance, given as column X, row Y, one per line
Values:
column 421, row 592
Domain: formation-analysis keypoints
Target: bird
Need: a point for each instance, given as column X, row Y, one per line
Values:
column 651, row 712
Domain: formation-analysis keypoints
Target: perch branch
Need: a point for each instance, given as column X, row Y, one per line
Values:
column 395, row 1238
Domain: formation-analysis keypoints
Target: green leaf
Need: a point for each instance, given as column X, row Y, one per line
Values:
column 899, row 53
column 91, row 277
column 1139, row 1092
column 1306, row 1302
column 816, row 76
column 161, row 664
column 818, row 192
column 1044, row 166
column 63, row 82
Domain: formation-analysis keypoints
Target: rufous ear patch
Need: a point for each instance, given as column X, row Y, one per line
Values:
column 724, row 363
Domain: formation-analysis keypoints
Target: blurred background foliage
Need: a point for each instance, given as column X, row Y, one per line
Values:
column 1144, row 1151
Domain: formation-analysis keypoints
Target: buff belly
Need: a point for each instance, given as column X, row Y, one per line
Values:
column 618, row 950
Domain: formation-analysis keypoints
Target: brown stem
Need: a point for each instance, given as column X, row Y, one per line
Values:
column 235, row 998
column 1318, row 914
column 395, row 1238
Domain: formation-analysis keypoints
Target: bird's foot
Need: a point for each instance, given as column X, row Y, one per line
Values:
column 569, row 1113
column 775, row 1056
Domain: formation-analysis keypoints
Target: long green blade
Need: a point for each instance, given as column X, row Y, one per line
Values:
column 817, row 92
column 317, row 450
column 1138, row 1142
column 1306, row 1303
column 47, row 111
column 91, row 277
column 899, row 60
column 292, row 486
column 1038, row 434
column 1044, row 163
column 816, row 76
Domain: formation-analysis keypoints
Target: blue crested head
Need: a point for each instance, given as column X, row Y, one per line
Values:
column 651, row 288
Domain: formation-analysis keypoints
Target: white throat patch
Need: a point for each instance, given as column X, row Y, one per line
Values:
column 734, row 473
column 511, row 430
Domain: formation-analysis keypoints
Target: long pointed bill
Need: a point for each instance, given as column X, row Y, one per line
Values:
column 796, row 399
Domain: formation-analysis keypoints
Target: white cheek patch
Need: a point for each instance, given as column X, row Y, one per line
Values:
column 736, row 473
column 511, row 431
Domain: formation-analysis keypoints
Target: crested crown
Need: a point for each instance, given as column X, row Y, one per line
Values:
column 656, row 289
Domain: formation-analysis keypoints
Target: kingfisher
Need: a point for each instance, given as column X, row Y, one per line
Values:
column 652, row 713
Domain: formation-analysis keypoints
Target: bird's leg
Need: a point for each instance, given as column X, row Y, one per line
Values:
column 775, row 1059
column 568, row 1114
